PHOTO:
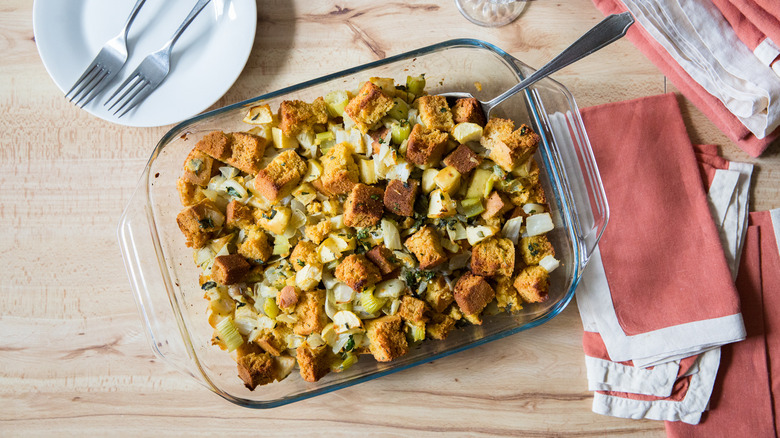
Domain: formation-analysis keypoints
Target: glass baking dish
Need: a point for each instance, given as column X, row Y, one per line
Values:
column 165, row 279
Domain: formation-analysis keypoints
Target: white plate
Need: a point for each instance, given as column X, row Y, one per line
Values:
column 205, row 62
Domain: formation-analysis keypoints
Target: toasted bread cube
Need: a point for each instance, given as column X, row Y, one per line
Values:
column 425, row 244
column 535, row 248
column 468, row 110
column 270, row 341
column 370, row 105
column 448, row 179
column 495, row 205
column 493, row 257
column 230, row 269
column 363, row 207
column 533, row 284
column 439, row 327
column 508, row 147
column 215, row 144
column 189, row 193
column 310, row 311
column 463, row 159
column 383, row 258
column 296, row 116
column 317, row 233
column 288, row 297
column 425, row 146
column 387, row 339
column 198, row 168
column 400, row 196
column 473, row 293
column 305, row 253
column 314, row 363
column 378, row 136
column 255, row 248
column 246, row 152
column 507, row 297
column 413, row 310
column 280, row 177
column 438, row 294
column 256, row 369
column 238, row 215
column 435, row 112
column 357, row 272
column 339, row 171
column 199, row 222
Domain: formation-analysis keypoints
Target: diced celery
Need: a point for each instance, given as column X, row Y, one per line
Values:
column 229, row 334
column 400, row 109
column 349, row 360
column 322, row 137
column 399, row 133
column 470, row 202
column 472, row 209
column 371, row 303
column 417, row 332
column 337, row 101
column 415, row 84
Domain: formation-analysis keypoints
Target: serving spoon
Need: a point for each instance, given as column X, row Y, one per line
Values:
column 603, row 34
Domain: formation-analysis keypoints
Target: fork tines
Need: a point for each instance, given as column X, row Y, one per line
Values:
column 89, row 85
column 136, row 88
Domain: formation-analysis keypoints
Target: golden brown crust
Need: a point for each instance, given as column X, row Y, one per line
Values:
column 472, row 293
column 197, row 224
column 317, row 233
column 438, row 294
column 508, row 147
column 382, row 258
column 305, row 253
column 364, row 206
column 507, row 297
column 311, row 313
column 238, row 215
column 357, row 272
column 400, row 196
column 440, row 326
column 425, row 146
column 229, row 269
column 270, row 343
column 216, row 144
column 296, row 116
column 280, row 177
column 314, row 363
column 425, row 244
column 413, row 310
column 189, row 193
column 492, row 257
column 198, row 168
column 435, row 112
column 288, row 297
column 468, row 110
column 387, row 339
column 533, row 284
column 256, row 369
column 535, row 248
column 495, row 205
column 370, row 105
column 247, row 152
column 463, row 159
column 340, row 173
column 255, row 248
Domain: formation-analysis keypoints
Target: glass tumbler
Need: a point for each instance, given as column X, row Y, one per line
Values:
column 491, row 13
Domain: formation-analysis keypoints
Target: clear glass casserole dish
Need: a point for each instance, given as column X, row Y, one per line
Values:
column 165, row 280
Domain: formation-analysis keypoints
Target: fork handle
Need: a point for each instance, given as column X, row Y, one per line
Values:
column 130, row 19
column 193, row 13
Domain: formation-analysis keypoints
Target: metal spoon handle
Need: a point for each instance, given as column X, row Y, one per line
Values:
column 606, row 32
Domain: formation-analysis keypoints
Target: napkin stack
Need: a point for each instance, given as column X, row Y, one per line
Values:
column 658, row 297
column 698, row 47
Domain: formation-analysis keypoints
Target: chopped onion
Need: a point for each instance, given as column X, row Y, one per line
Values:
column 315, row 340
column 533, row 208
column 479, row 233
column 343, row 293
column 391, row 236
column 459, row 261
column 345, row 320
column 511, row 229
column 329, row 280
column 308, row 277
column 538, row 224
column 287, row 319
column 234, row 189
column 228, row 172
column 549, row 263
column 390, row 288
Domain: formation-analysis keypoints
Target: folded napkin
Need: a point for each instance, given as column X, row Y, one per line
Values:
column 745, row 17
column 746, row 395
column 695, row 47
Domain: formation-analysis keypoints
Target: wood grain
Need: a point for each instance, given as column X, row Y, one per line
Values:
column 74, row 359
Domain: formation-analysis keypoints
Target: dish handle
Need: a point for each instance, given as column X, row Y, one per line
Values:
column 149, row 285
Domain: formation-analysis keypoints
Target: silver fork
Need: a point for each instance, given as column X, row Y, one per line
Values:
column 105, row 66
column 603, row 34
column 152, row 70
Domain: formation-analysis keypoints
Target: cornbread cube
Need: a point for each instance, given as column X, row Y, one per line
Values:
column 492, row 257
column 383, row 258
column 400, row 196
column 305, row 253
column 363, row 207
column 533, row 284
column 198, row 168
column 425, row 244
column 215, row 144
column 339, row 171
column 440, row 326
column 288, row 297
column 413, row 310
column 507, row 297
column 535, row 248
column 473, row 293
column 387, row 339
column 425, row 146
column 255, row 248
column 271, row 342
column 199, row 222
column 314, row 363
column 435, row 112
column 238, row 215
column 229, row 269
column 463, row 159
column 378, row 137
column 281, row 176
column 247, row 152
column 189, row 193
column 296, row 116
column 256, row 369
column 508, row 147
column 357, row 272
column 495, row 205
column 438, row 294
column 468, row 110
column 310, row 311
column 317, row 233
column 370, row 105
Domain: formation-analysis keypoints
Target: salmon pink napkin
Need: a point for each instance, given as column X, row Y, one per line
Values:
column 744, row 121
column 753, row 23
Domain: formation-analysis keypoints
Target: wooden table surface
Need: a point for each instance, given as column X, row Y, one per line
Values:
column 73, row 356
